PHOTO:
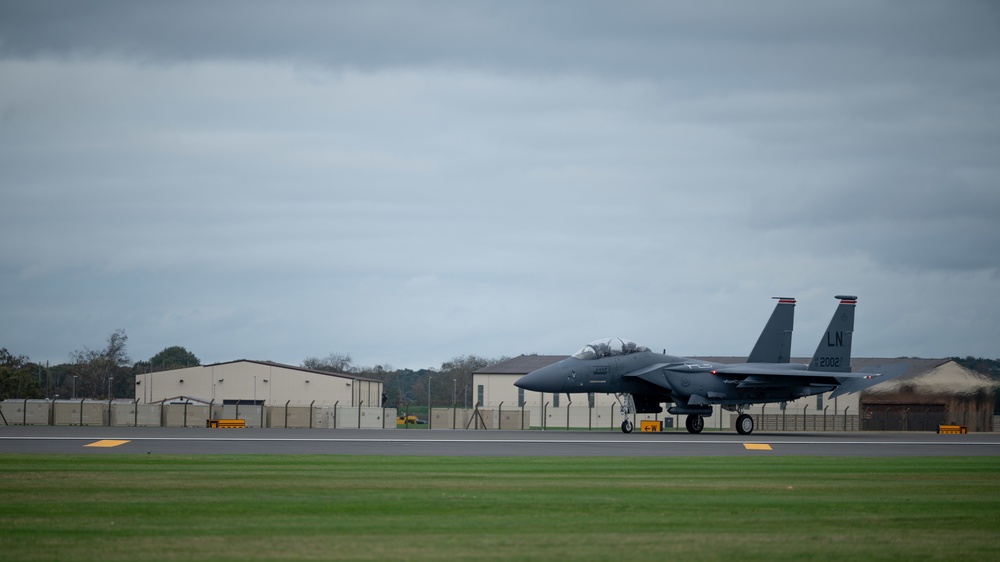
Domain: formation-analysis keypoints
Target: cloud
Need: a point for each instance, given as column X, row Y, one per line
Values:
column 408, row 182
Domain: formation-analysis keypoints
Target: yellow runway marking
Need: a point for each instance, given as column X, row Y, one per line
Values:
column 106, row 443
column 757, row 446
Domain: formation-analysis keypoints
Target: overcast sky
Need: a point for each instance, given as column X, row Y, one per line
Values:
column 407, row 182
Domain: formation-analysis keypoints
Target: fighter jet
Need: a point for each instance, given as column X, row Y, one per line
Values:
column 644, row 380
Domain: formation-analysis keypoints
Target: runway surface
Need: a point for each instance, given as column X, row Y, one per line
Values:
column 197, row 441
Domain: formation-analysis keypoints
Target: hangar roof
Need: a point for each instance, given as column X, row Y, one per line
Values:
column 296, row 368
column 520, row 365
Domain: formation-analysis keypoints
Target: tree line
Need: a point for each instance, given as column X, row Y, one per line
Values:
column 109, row 373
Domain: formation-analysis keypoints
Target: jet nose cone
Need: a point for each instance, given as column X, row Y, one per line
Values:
column 546, row 379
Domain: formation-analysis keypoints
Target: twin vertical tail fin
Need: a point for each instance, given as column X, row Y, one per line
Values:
column 833, row 354
column 775, row 343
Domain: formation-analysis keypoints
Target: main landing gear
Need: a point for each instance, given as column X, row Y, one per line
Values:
column 744, row 424
column 695, row 423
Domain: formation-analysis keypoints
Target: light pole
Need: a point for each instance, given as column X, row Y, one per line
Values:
column 109, row 387
column 454, row 393
column 429, row 379
column 74, row 385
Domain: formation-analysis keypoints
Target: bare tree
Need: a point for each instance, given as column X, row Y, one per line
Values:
column 334, row 363
column 458, row 372
column 97, row 368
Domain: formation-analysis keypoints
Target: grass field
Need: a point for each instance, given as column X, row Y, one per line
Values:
column 121, row 507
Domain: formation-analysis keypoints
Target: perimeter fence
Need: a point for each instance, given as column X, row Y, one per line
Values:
column 128, row 413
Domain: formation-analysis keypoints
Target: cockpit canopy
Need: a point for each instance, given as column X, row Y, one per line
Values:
column 608, row 347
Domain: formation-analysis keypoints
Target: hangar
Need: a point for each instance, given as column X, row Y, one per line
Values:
column 260, row 383
column 917, row 395
column 255, row 393
column 928, row 392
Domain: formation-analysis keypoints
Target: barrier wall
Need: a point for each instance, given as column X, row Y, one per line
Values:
column 356, row 418
column 128, row 414
column 289, row 416
column 515, row 419
column 136, row 415
column 26, row 412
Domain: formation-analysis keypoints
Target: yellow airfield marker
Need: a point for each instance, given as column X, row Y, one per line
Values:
column 757, row 447
column 106, row 443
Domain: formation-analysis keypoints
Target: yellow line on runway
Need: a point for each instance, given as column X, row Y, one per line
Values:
column 757, row 446
column 106, row 443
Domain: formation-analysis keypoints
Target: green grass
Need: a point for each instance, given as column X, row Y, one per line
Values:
column 123, row 507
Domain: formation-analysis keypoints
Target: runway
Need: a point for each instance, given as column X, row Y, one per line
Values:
column 199, row 441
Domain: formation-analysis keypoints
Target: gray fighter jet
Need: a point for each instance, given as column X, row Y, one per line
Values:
column 644, row 380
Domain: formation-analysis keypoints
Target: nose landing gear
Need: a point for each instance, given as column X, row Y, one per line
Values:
column 627, row 408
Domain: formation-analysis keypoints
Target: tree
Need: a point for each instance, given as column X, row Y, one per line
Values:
column 333, row 363
column 18, row 377
column 459, row 370
column 174, row 357
column 97, row 369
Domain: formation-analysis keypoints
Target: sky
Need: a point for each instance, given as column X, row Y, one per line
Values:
column 410, row 182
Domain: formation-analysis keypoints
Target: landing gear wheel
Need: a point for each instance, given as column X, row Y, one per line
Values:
column 626, row 426
column 744, row 424
column 695, row 423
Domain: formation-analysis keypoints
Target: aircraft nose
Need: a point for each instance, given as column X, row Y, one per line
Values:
column 546, row 379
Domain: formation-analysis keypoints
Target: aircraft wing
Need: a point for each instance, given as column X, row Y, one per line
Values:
column 652, row 374
column 856, row 385
column 888, row 372
column 760, row 376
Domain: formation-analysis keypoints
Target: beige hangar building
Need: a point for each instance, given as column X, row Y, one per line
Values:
column 260, row 383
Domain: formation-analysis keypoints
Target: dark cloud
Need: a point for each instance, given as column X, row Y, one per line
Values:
column 835, row 40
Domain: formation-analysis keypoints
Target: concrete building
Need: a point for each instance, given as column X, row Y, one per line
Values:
column 261, row 383
column 913, row 388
